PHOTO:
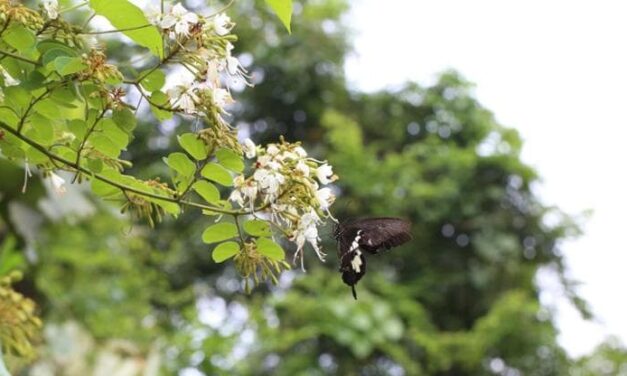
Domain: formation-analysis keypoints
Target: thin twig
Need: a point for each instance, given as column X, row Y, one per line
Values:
column 115, row 31
column 122, row 187
column 18, row 57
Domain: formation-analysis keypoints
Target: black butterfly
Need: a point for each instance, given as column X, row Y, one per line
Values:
column 370, row 235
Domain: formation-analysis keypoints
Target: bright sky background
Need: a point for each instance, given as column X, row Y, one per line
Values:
column 557, row 72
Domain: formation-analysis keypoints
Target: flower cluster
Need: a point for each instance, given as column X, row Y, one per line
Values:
column 285, row 187
column 20, row 325
column 205, row 50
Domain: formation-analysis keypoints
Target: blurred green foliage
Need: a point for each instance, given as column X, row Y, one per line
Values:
column 460, row 299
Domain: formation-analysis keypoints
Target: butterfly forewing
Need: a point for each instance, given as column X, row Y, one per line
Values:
column 369, row 235
column 383, row 233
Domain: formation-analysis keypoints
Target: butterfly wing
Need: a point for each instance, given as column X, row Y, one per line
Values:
column 383, row 233
column 370, row 235
column 352, row 260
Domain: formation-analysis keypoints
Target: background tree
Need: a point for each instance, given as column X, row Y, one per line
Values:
column 460, row 299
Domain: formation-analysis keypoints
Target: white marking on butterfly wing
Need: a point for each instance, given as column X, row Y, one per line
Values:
column 356, row 262
column 355, row 243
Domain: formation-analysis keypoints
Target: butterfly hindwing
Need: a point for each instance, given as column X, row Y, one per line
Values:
column 352, row 260
column 367, row 235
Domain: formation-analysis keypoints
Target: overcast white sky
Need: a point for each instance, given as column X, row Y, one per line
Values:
column 557, row 72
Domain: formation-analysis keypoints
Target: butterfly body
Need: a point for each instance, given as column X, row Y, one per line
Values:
column 370, row 235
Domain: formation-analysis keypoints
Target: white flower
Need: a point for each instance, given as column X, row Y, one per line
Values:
column 250, row 191
column 8, row 79
column 270, row 181
column 213, row 74
column 325, row 197
column 58, row 183
column 249, row 148
column 300, row 152
column 179, row 18
column 221, row 98
column 284, row 212
column 267, row 161
column 302, row 167
column 234, row 67
column 222, row 24
column 183, row 97
column 307, row 232
column 52, row 8
column 324, row 174
column 272, row 150
column 236, row 196
column 244, row 190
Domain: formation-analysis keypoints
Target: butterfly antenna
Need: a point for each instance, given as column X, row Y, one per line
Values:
column 354, row 292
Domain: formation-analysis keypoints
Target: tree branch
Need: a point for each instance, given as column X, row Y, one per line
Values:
column 18, row 57
column 123, row 187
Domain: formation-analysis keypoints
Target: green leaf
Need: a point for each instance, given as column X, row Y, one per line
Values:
column 257, row 227
column 125, row 119
column 207, row 191
column 67, row 96
column 52, row 110
column 65, row 65
column 109, row 129
column 53, row 54
column 35, row 80
column 17, row 98
column 9, row 117
column 46, row 45
column 217, row 173
column 103, row 189
column 195, row 146
column 219, row 232
column 78, row 128
column 270, row 249
column 42, row 130
column 19, row 37
column 154, row 80
column 12, row 147
column 230, row 159
column 181, row 163
column 224, row 251
column 283, row 9
column 10, row 257
column 160, row 99
column 104, row 145
column 95, row 165
column 35, row 156
column 124, row 15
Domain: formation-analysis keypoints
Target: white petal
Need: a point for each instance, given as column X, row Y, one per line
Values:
column 58, row 183
column 249, row 148
column 260, row 174
column 324, row 174
column 190, row 18
column 168, row 21
column 300, row 152
column 181, row 28
column 325, row 197
column 303, row 168
column 272, row 149
column 178, row 10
